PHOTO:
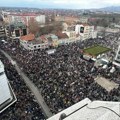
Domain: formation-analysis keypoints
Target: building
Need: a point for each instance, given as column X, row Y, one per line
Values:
column 117, row 57
column 23, row 17
column 100, row 29
column 90, row 110
column 52, row 40
column 7, row 96
column 83, row 19
column 65, row 26
column 112, row 30
column 63, row 38
column 68, row 19
column 29, row 42
column 85, row 31
column 17, row 29
column 2, row 32
column 70, row 34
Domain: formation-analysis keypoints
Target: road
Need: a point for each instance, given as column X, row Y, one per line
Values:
column 32, row 87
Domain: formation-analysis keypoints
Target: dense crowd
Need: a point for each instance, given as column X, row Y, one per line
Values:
column 26, row 107
column 63, row 77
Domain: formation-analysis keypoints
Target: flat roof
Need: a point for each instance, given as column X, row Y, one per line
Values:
column 1, row 67
column 8, row 102
column 71, row 109
column 90, row 110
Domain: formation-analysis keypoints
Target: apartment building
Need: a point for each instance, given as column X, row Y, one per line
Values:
column 23, row 17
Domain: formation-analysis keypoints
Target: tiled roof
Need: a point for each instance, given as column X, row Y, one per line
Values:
column 28, row 37
column 43, row 37
column 61, row 35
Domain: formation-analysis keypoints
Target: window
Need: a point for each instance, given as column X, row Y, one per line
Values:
column 82, row 30
column 17, row 33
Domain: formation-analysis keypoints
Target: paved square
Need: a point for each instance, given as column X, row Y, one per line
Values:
column 106, row 83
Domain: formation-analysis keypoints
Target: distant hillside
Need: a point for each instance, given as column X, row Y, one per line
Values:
column 111, row 9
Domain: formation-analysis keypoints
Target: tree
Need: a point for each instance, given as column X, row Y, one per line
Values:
column 33, row 26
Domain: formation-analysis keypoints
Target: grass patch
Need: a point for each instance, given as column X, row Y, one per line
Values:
column 96, row 50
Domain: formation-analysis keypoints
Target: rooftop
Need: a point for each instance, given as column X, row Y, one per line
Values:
column 85, row 24
column 24, row 14
column 7, row 96
column 36, row 41
column 1, row 67
column 61, row 35
column 91, row 110
column 28, row 37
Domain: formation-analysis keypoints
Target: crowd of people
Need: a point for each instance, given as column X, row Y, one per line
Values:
column 26, row 106
column 64, row 78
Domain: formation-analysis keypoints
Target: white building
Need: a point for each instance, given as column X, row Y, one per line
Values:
column 117, row 57
column 40, row 19
column 112, row 30
column 7, row 97
column 86, row 31
column 90, row 110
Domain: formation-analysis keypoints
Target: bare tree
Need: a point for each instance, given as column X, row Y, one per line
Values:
column 33, row 26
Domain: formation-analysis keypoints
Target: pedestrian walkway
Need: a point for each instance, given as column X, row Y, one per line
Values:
column 31, row 86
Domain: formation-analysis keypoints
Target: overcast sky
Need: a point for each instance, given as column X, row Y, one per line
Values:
column 74, row 4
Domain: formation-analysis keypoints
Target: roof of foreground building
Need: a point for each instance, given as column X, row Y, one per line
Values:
column 29, row 37
column 90, row 110
column 7, row 96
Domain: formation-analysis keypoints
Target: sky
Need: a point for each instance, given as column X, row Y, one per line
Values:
column 68, row 4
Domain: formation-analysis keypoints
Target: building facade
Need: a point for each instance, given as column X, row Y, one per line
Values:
column 70, row 34
column 85, row 31
column 2, row 32
column 24, row 17
column 17, row 29
column 29, row 42
column 117, row 57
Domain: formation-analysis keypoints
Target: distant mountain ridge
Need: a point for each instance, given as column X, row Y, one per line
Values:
column 111, row 9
